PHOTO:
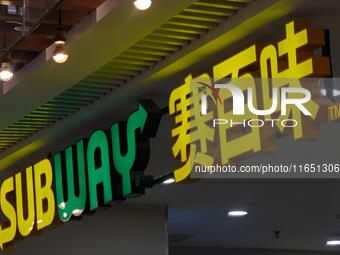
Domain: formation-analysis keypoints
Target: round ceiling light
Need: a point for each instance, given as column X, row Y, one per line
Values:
column 59, row 54
column 142, row 4
column 6, row 73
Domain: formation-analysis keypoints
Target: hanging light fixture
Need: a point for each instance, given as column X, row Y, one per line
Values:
column 6, row 73
column 59, row 54
column 142, row 4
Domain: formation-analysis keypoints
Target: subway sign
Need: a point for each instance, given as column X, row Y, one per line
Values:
column 266, row 93
column 85, row 176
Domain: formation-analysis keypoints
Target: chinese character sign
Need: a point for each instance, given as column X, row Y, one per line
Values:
column 252, row 95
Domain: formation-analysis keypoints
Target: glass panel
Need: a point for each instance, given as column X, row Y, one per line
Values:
column 20, row 18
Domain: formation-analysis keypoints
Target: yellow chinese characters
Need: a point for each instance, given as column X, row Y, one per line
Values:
column 191, row 131
column 261, row 68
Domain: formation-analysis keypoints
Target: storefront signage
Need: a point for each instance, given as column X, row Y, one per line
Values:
column 334, row 112
column 242, row 126
column 264, row 94
column 80, row 179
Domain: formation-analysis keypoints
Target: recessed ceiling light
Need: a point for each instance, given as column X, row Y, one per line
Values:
column 333, row 242
column 142, row 4
column 237, row 213
column 169, row 181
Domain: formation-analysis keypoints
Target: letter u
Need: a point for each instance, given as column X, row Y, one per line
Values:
column 25, row 190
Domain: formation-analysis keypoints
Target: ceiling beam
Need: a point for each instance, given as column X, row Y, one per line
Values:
column 35, row 44
column 23, row 56
column 85, row 5
column 47, row 29
column 90, row 4
column 68, row 16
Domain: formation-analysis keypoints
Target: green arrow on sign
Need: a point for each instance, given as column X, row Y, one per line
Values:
column 128, row 154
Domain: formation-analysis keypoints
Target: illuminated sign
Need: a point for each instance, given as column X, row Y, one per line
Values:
column 268, row 74
column 86, row 176
column 334, row 112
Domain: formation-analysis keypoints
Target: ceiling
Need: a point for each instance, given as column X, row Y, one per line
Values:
column 49, row 107
column 29, row 45
column 194, row 21
column 304, row 210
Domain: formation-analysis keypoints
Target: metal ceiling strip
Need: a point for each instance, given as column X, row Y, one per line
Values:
column 103, row 80
column 240, row 1
column 117, row 64
column 10, row 141
column 177, row 35
column 221, row 4
column 202, row 17
column 74, row 107
column 135, row 61
column 112, row 74
column 74, row 102
column 105, row 75
column 41, row 118
column 158, row 39
column 183, row 29
column 31, row 123
column 150, row 51
column 103, row 85
column 210, row 10
column 91, row 89
column 139, row 56
column 38, row 113
column 15, row 131
column 158, row 46
column 122, row 71
column 34, row 116
column 57, row 109
column 27, row 127
column 7, row 143
column 9, row 136
column 90, row 84
column 79, row 92
column 77, row 97
column 192, row 23
column 47, row 113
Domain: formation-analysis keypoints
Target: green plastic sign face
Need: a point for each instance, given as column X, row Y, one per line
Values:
column 98, row 170
column 86, row 176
